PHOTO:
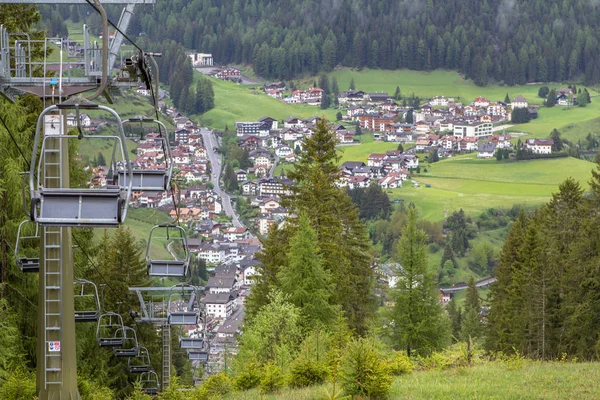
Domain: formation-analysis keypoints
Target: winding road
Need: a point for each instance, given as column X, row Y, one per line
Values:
column 210, row 143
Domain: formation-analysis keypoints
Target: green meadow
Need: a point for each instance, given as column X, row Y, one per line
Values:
column 518, row 379
column 476, row 185
column 235, row 103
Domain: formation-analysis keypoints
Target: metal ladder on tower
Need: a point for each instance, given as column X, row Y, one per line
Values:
column 52, row 159
column 166, row 356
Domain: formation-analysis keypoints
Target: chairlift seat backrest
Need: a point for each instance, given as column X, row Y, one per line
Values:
column 194, row 355
column 29, row 264
column 183, row 318
column 149, row 382
column 125, row 352
column 140, row 363
column 175, row 268
column 155, row 180
column 80, row 207
column 86, row 316
column 110, row 342
column 191, row 343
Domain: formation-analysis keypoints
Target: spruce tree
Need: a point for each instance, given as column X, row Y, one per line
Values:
column 507, row 98
column 471, row 324
column 551, row 98
column 419, row 324
column 455, row 314
column 352, row 84
column 334, row 87
column 303, row 278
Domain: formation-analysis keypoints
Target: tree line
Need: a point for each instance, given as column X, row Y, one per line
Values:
column 534, row 40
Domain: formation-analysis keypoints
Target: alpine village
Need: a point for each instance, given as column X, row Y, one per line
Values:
column 294, row 199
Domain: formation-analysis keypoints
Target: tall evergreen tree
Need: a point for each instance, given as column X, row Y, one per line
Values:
column 471, row 327
column 352, row 84
column 334, row 87
column 551, row 98
column 419, row 324
column 304, row 279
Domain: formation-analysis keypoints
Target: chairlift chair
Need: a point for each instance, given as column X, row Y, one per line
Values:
column 182, row 312
column 130, row 342
column 140, row 363
column 86, row 300
column 27, row 264
column 103, row 207
column 198, row 374
column 110, row 326
column 198, row 355
column 149, row 382
column 150, row 180
column 177, row 264
column 191, row 343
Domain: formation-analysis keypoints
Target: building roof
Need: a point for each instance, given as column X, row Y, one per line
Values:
column 520, row 99
column 217, row 298
column 218, row 282
column 488, row 147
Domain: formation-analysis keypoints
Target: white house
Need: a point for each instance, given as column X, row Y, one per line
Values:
column 473, row 129
column 232, row 234
column 219, row 305
column 283, row 151
column 211, row 253
column 220, row 285
column 486, row 150
column 539, row 146
column 519, row 102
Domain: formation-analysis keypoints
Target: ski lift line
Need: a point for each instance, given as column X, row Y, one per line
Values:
column 15, row 142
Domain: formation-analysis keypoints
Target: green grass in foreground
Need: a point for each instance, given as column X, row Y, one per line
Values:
column 476, row 185
column 237, row 103
column 532, row 380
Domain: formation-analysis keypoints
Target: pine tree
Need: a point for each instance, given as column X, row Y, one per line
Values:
column 455, row 314
column 324, row 84
column 551, row 98
column 303, row 278
column 100, row 160
column 448, row 255
column 507, row 98
column 352, row 84
column 594, row 182
column 397, row 94
column 334, row 87
column 472, row 327
column 555, row 136
column 419, row 324
column 325, row 101
column 409, row 117
column 505, row 325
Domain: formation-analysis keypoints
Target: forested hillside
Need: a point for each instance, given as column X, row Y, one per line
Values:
column 514, row 41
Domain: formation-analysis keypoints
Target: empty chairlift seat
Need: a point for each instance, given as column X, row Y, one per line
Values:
column 149, row 382
column 157, row 178
column 183, row 305
column 86, row 301
column 53, row 202
column 191, row 343
column 27, row 247
column 130, row 343
column 198, row 355
column 167, row 254
column 140, row 363
column 110, row 332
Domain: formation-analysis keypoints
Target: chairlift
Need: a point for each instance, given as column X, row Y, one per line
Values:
column 198, row 375
column 191, row 343
column 140, row 363
column 26, row 235
column 175, row 241
column 198, row 355
column 86, row 301
column 110, row 332
column 182, row 312
column 130, row 342
column 144, row 179
column 57, row 206
column 149, row 382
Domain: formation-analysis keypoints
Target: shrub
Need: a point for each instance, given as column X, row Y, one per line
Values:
column 218, row 384
column 400, row 364
column 304, row 372
column 17, row 386
column 272, row 379
column 363, row 370
column 249, row 378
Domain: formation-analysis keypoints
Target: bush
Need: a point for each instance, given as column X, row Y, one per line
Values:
column 18, row 386
column 218, row 384
column 363, row 370
column 306, row 372
column 400, row 364
column 272, row 379
column 249, row 378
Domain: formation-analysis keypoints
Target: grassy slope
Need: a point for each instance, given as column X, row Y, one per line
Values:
column 549, row 380
column 475, row 185
column 236, row 103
